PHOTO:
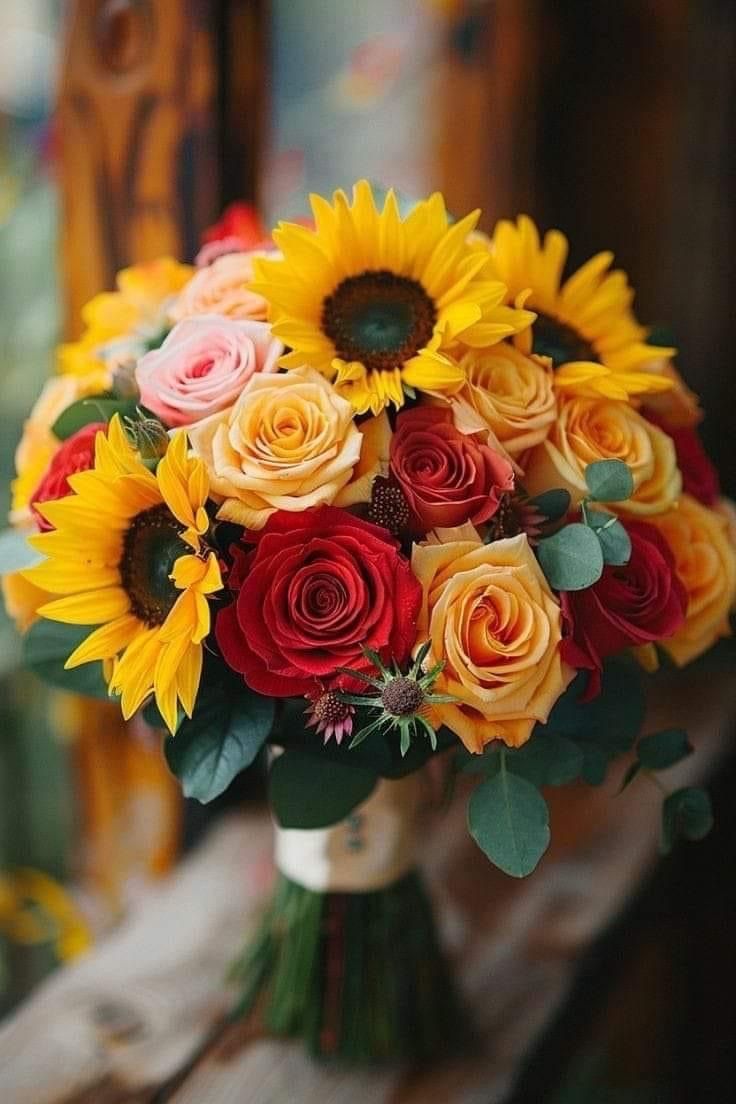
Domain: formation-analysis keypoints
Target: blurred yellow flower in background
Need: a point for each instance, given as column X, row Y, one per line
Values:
column 124, row 322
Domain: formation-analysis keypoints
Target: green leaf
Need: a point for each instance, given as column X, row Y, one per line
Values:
column 686, row 814
column 553, row 504
column 487, row 762
column 615, row 541
column 609, row 481
column 308, row 792
column 85, row 411
column 16, row 553
column 595, row 764
column 509, row 820
column 631, row 773
column 613, row 719
column 663, row 749
column 46, row 647
column 546, row 760
column 152, row 716
column 223, row 738
column 572, row 559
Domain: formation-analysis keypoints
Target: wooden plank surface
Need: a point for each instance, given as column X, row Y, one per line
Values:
column 139, row 1020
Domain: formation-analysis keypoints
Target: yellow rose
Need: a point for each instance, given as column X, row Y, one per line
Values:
column 706, row 563
column 38, row 444
column 493, row 621
column 602, row 429
column 288, row 443
column 509, row 394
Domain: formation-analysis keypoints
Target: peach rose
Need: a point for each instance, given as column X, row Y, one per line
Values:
column 493, row 621
column 288, row 443
column 705, row 560
column 203, row 366
column 601, row 429
column 507, row 393
column 223, row 287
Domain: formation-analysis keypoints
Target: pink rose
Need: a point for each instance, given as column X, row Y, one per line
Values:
column 202, row 367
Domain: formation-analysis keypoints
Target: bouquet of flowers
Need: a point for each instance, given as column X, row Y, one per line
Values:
column 375, row 490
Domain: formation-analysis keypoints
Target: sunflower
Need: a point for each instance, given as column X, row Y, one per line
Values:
column 585, row 324
column 126, row 554
column 381, row 304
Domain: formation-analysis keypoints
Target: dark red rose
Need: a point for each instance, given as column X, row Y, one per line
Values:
column 77, row 454
column 447, row 477
column 699, row 475
column 641, row 602
column 316, row 588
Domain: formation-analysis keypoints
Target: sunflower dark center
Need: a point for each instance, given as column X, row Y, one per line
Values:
column 378, row 318
column 151, row 547
column 560, row 342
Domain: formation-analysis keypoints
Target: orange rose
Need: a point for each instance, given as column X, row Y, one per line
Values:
column 223, row 287
column 493, row 621
column 705, row 560
column 507, row 393
column 587, row 430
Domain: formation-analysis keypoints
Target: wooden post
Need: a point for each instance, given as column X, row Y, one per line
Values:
column 141, row 126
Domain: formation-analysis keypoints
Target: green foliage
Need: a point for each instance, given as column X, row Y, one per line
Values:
column 308, row 792
column 152, row 716
column 16, row 553
column 572, row 559
column 223, row 738
column 614, row 540
column 545, row 760
column 606, row 726
column 663, row 749
column 85, row 411
column 381, row 753
column 658, row 751
column 686, row 814
column 553, row 504
column 47, row 646
column 609, row 481
column 509, row 820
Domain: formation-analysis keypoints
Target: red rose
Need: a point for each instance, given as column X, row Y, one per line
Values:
column 639, row 603
column 75, row 455
column 316, row 589
column 699, row 475
column 448, row 477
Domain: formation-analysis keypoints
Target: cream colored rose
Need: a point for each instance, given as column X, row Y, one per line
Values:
column 493, row 621
column 288, row 443
column 222, row 288
column 507, row 393
column 587, row 430
column 705, row 560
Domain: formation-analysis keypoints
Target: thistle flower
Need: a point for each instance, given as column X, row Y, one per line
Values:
column 388, row 506
column 330, row 716
column 400, row 697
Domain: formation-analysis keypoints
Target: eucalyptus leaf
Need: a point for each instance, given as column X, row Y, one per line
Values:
column 663, row 749
column 553, row 504
column 609, row 481
column 509, row 820
column 16, row 553
column 547, row 759
column 46, row 647
column 223, row 738
column 572, row 559
column 308, row 792
column 614, row 540
column 95, row 409
column 686, row 814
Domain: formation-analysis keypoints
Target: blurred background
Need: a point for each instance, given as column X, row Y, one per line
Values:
column 127, row 125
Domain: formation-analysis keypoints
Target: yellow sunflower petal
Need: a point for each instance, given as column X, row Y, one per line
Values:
column 93, row 607
column 107, row 641
column 188, row 678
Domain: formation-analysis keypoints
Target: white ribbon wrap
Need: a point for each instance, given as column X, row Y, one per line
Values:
column 372, row 848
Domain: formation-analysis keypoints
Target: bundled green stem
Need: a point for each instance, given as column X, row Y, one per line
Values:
column 359, row 976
